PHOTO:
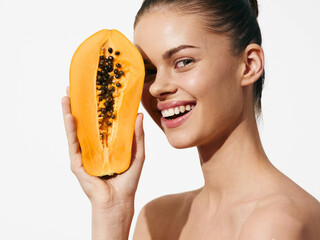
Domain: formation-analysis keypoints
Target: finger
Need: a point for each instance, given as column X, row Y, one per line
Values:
column 70, row 127
column 65, row 103
column 72, row 135
column 139, row 136
column 68, row 91
column 138, row 154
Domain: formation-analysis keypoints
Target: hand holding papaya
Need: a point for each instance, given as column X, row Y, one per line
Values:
column 112, row 198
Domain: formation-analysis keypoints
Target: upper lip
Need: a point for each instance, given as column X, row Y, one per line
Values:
column 166, row 105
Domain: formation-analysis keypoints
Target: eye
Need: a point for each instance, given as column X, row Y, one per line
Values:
column 183, row 63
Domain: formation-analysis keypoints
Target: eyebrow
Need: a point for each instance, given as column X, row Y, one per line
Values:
column 168, row 54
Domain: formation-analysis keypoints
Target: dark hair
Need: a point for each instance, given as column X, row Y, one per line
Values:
column 236, row 18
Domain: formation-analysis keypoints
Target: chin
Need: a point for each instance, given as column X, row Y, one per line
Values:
column 180, row 141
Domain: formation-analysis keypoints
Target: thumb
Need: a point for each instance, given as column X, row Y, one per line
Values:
column 138, row 151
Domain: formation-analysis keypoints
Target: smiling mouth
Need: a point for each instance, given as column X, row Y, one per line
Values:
column 176, row 112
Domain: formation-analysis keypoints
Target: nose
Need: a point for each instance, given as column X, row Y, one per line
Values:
column 162, row 86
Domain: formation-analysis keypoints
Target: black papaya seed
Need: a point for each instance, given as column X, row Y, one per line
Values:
column 110, row 68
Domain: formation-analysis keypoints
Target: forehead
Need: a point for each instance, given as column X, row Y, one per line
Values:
column 162, row 22
column 160, row 30
column 165, row 29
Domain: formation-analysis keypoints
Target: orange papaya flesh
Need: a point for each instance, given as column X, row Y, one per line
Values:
column 106, row 81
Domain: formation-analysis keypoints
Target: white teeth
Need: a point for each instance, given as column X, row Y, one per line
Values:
column 165, row 113
column 176, row 110
column 170, row 112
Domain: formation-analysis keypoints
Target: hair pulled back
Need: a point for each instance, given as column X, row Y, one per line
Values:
column 236, row 18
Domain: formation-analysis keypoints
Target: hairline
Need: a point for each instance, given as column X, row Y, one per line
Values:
column 173, row 7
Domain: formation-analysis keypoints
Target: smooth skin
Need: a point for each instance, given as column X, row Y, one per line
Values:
column 244, row 196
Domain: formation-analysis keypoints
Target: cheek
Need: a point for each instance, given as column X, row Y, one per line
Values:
column 194, row 82
column 218, row 85
column 224, row 104
column 215, row 85
column 218, row 94
column 225, row 97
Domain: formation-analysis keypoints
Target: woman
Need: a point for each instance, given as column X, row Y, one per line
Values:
column 204, row 77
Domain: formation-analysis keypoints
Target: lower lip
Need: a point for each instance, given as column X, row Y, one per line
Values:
column 173, row 123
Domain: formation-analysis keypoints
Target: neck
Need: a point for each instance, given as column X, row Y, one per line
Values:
column 233, row 166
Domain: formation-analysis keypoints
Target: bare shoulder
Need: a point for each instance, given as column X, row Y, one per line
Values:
column 160, row 215
column 293, row 214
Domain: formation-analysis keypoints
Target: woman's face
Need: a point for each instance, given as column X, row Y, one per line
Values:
column 192, row 87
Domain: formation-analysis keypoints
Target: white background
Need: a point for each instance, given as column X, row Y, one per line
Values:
column 40, row 197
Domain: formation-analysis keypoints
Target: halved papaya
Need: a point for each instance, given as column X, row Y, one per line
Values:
column 106, row 81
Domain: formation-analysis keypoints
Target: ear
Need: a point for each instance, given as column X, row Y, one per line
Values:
column 253, row 59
